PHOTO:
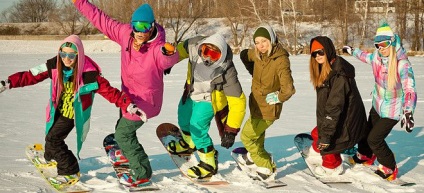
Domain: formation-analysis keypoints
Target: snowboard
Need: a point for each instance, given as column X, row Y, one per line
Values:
column 304, row 140
column 35, row 154
column 251, row 170
column 121, row 166
column 166, row 132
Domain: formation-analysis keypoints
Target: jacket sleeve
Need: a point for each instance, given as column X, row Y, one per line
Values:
column 407, row 80
column 165, row 61
column 113, row 95
column 333, row 108
column 248, row 63
column 236, row 100
column 363, row 56
column 286, row 80
column 111, row 28
column 31, row 77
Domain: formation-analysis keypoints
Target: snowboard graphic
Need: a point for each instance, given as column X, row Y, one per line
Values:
column 35, row 154
column 121, row 166
column 250, row 170
column 167, row 132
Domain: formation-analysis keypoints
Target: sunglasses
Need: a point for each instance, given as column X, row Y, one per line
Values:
column 383, row 44
column 319, row 52
column 141, row 26
column 69, row 55
column 214, row 55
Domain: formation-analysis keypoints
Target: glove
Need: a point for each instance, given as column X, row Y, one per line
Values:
column 272, row 98
column 227, row 139
column 407, row 122
column 168, row 49
column 322, row 146
column 347, row 49
column 133, row 109
column 73, row 1
column 4, row 84
column 167, row 71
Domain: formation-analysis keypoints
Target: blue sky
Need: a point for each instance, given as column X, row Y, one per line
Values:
column 6, row 4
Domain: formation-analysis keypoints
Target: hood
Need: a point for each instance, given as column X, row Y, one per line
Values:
column 329, row 48
column 271, row 33
column 343, row 67
column 81, row 56
column 400, row 51
column 218, row 41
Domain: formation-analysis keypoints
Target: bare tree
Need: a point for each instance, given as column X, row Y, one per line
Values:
column 178, row 19
column 31, row 11
column 239, row 22
column 416, row 10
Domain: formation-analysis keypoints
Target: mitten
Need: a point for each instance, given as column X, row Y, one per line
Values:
column 227, row 139
column 407, row 122
column 272, row 98
column 4, row 84
column 347, row 49
column 168, row 49
column 133, row 109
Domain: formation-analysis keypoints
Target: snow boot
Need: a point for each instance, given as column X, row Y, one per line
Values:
column 387, row 173
column 131, row 182
column 185, row 146
column 265, row 174
column 359, row 158
column 322, row 171
column 208, row 165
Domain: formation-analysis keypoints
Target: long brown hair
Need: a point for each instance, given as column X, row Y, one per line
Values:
column 319, row 72
column 60, row 67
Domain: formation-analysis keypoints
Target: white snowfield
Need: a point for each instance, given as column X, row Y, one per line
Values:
column 22, row 122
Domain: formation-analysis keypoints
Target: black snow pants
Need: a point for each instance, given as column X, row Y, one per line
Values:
column 374, row 143
column 57, row 149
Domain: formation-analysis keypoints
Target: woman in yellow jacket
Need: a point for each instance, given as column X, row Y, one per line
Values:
column 272, row 84
column 212, row 89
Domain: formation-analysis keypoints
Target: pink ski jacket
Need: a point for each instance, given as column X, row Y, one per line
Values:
column 141, row 71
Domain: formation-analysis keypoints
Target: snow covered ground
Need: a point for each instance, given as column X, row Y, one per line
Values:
column 22, row 114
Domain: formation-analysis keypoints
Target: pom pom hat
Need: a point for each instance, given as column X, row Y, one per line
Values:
column 143, row 13
column 384, row 32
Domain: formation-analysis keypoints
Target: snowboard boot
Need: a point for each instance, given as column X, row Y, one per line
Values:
column 359, row 158
column 387, row 173
column 311, row 156
column 265, row 174
column 185, row 146
column 208, row 165
column 62, row 180
column 117, row 157
column 322, row 171
column 246, row 160
column 129, row 181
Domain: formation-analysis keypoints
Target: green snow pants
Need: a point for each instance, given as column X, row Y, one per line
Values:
column 125, row 136
column 195, row 118
column 253, row 139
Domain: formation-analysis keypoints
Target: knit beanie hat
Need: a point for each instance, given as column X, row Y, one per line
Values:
column 70, row 45
column 316, row 45
column 261, row 32
column 384, row 32
column 143, row 13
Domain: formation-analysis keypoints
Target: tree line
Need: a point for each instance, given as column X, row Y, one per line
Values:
column 295, row 21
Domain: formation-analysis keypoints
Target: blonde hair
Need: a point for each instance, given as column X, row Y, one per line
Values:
column 393, row 69
column 268, row 53
column 318, row 72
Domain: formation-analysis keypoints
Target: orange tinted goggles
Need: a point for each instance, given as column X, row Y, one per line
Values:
column 211, row 53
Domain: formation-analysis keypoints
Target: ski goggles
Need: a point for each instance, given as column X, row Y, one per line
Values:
column 141, row 26
column 69, row 55
column 208, row 52
column 383, row 44
column 318, row 52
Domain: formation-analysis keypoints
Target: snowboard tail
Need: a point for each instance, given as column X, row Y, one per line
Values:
column 35, row 154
